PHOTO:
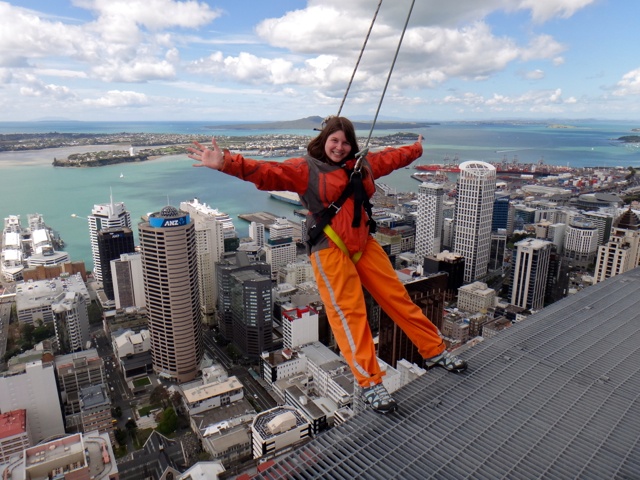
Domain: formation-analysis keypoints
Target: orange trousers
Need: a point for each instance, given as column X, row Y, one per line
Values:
column 340, row 283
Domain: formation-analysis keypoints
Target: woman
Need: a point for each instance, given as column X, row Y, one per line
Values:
column 345, row 256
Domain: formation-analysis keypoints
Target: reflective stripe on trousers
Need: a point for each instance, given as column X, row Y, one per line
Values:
column 340, row 282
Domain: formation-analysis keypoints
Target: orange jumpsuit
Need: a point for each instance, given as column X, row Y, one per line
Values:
column 350, row 258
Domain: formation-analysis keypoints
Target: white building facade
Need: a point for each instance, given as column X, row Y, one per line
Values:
column 473, row 217
column 530, row 265
column 106, row 215
column 429, row 220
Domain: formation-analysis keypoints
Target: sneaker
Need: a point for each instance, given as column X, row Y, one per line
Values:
column 379, row 399
column 446, row 360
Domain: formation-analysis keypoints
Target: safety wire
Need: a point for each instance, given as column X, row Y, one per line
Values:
column 363, row 152
column 366, row 39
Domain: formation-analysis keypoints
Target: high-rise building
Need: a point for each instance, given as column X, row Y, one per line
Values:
column 14, row 435
column 603, row 222
column 453, row 265
column 128, row 282
column 580, row 242
column 106, row 215
column 429, row 220
column 428, row 293
column 34, row 388
column 530, row 265
column 71, row 321
column 112, row 242
column 256, row 232
column 476, row 297
column 251, row 310
column 473, row 217
column 280, row 248
column 210, row 246
column 622, row 252
column 500, row 218
column 230, row 264
column 299, row 326
column 170, row 272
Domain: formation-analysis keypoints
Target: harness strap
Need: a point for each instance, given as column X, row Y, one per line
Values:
column 331, row 233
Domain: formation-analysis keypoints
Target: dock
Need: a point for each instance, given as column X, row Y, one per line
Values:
column 268, row 219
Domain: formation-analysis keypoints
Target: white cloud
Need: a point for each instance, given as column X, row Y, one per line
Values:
column 33, row 87
column 630, row 84
column 536, row 74
column 543, row 10
column 117, row 98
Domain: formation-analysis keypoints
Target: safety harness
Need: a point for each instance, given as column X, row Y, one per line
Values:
column 323, row 219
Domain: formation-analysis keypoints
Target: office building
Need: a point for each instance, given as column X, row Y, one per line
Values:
column 501, row 217
column 450, row 263
column 210, row 247
column 251, row 311
column 14, row 435
column 280, row 248
column 71, row 321
column 106, row 215
column 75, row 372
column 580, row 242
column 32, row 387
column 95, row 410
column 476, row 297
column 34, row 298
column 429, row 219
column 603, row 222
column 128, row 282
column 473, row 217
column 299, row 326
column 170, row 272
column 230, row 264
column 622, row 251
column 256, row 232
column 277, row 429
column 530, row 266
column 428, row 293
column 112, row 242
column 79, row 456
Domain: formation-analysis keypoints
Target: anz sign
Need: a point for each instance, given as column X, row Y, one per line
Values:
column 160, row 222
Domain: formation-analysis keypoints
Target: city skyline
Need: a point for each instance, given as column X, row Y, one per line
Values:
column 199, row 60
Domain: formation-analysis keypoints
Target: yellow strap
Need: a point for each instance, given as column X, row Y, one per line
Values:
column 331, row 233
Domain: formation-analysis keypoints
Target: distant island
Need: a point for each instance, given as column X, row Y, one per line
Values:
column 630, row 139
column 556, row 125
column 310, row 123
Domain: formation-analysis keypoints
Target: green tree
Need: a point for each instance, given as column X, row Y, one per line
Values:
column 26, row 332
column 160, row 396
column 95, row 313
column 168, row 421
column 132, row 427
column 121, row 436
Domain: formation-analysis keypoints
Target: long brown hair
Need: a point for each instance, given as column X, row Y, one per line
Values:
column 332, row 125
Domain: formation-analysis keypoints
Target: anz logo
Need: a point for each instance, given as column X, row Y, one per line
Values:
column 175, row 222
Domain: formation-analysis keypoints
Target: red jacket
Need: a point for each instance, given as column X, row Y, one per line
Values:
column 319, row 183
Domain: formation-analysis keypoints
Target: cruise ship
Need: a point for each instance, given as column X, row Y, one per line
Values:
column 284, row 196
column 28, row 247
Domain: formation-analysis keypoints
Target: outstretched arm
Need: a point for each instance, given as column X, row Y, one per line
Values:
column 211, row 158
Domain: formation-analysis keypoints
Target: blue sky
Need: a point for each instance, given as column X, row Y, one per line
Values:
column 283, row 59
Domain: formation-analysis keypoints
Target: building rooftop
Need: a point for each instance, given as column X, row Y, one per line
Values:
column 210, row 390
column 556, row 396
column 13, row 423
column 32, row 294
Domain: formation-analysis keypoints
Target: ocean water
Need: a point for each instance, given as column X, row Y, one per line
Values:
column 30, row 184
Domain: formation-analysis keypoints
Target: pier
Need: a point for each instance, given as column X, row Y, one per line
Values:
column 268, row 219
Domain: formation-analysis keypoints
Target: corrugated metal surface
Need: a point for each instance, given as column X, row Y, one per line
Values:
column 554, row 397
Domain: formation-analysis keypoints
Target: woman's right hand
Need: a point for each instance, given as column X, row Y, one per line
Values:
column 211, row 158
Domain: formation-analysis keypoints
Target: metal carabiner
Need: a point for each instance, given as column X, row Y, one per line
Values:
column 359, row 156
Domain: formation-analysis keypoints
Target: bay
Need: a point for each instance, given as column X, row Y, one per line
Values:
column 30, row 184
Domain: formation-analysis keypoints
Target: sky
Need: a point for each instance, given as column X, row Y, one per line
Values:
column 254, row 60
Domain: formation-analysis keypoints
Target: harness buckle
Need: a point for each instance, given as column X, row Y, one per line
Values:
column 335, row 208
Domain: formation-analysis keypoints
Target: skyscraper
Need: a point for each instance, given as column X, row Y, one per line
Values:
column 128, row 282
column 210, row 246
column 112, row 242
column 429, row 221
column 530, row 265
column 473, row 217
column 106, row 215
column 280, row 249
column 170, row 272
column 71, row 321
column 622, row 251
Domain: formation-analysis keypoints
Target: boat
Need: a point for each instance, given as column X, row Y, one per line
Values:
column 121, row 175
column 449, row 165
column 284, row 196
